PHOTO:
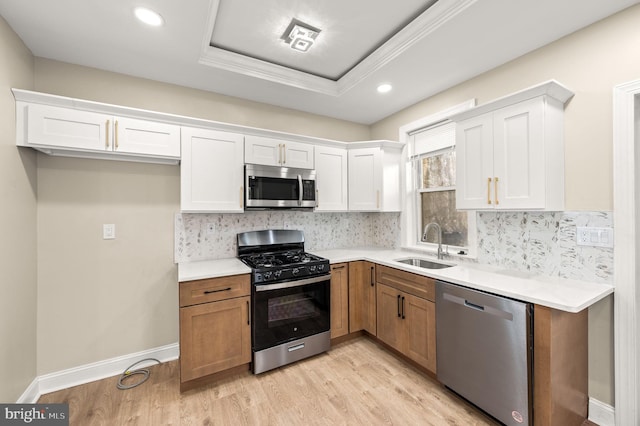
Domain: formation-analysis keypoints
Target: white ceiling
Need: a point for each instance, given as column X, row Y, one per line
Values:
column 233, row 47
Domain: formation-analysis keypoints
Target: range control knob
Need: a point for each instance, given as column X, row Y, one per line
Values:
column 267, row 275
column 321, row 267
column 295, row 271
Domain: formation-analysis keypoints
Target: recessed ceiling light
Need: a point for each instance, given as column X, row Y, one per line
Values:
column 148, row 16
column 384, row 88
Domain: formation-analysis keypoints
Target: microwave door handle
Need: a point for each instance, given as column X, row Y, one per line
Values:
column 299, row 190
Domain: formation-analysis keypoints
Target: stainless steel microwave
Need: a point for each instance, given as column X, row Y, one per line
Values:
column 272, row 187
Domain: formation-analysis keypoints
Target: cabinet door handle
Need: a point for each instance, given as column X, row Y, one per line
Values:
column 217, row 291
column 399, row 316
column 106, row 138
column 373, row 279
column 489, row 191
column 248, row 314
column 402, row 307
column 284, row 153
column 495, row 192
column 241, row 196
column 115, row 133
column 317, row 199
column 378, row 199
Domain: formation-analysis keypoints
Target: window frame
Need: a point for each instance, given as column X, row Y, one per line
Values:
column 411, row 217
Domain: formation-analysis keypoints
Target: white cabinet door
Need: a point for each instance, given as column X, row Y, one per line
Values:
column 75, row 130
column 211, row 172
column 511, row 158
column 297, row 155
column 365, row 179
column 265, row 151
column 275, row 152
column 331, row 178
column 474, row 163
column 146, row 137
column 68, row 128
column 519, row 156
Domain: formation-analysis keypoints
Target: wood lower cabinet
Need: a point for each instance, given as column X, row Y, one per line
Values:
column 339, row 300
column 406, row 314
column 215, row 326
column 362, row 297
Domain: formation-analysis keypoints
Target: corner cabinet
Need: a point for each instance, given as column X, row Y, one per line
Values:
column 331, row 179
column 339, row 300
column 374, row 177
column 274, row 152
column 406, row 314
column 212, row 171
column 92, row 130
column 510, row 152
column 362, row 297
column 215, row 326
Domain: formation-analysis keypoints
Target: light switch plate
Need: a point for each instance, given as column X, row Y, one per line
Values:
column 594, row 236
column 109, row 231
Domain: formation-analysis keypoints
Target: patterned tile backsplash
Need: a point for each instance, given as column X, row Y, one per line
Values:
column 543, row 243
column 322, row 231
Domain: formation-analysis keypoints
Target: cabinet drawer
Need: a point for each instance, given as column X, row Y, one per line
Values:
column 417, row 285
column 214, row 289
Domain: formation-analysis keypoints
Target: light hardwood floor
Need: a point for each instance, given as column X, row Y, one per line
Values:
column 356, row 383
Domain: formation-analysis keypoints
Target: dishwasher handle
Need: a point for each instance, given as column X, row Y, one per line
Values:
column 484, row 309
column 473, row 305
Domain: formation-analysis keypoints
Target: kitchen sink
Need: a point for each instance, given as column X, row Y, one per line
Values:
column 423, row 263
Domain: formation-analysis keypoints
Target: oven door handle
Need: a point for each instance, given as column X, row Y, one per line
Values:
column 296, row 283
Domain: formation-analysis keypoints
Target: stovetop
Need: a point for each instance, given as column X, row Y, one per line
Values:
column 283, row 266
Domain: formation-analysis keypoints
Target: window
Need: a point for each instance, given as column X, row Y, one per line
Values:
column 433, row 189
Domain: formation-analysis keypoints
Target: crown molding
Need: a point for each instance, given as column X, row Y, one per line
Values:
column 434, row 17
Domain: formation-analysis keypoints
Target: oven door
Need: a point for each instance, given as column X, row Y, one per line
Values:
column 290, row 310
column 279, row 187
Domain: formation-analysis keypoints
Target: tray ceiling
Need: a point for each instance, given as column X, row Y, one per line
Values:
column 234, row 47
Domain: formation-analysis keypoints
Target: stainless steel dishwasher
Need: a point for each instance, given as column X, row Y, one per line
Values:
column 484, row 351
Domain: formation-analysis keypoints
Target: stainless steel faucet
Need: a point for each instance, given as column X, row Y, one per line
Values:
column 439, row 230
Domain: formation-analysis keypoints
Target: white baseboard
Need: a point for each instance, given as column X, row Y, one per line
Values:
column 601, row 414
column 31, row 394
column 95, row 371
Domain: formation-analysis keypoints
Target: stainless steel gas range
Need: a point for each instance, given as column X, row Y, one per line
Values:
column 290, row 298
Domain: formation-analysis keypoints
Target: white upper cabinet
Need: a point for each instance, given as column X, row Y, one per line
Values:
column 510, row 153
column 85, row 133
column 374, row 179
column 331, row 179
column 212, row 171
column 274, row 152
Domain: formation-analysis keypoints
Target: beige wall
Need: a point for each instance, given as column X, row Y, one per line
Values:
column 17, row 227
column 590, row 62
column 97, row 298
column 89, row 83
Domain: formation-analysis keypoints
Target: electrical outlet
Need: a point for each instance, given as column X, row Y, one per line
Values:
column 109, row 231
column 211, row 228
column 593, row 236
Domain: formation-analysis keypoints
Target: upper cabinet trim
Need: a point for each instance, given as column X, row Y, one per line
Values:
column 85, row 105
column 551, row 88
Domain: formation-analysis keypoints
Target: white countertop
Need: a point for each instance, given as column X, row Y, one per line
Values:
column 558, row 293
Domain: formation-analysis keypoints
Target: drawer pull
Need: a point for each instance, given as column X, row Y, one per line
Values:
column 217, row 291
column 338, row 267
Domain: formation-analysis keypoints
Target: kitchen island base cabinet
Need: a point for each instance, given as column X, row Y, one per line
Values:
column 215, row 332
column 406, row 314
